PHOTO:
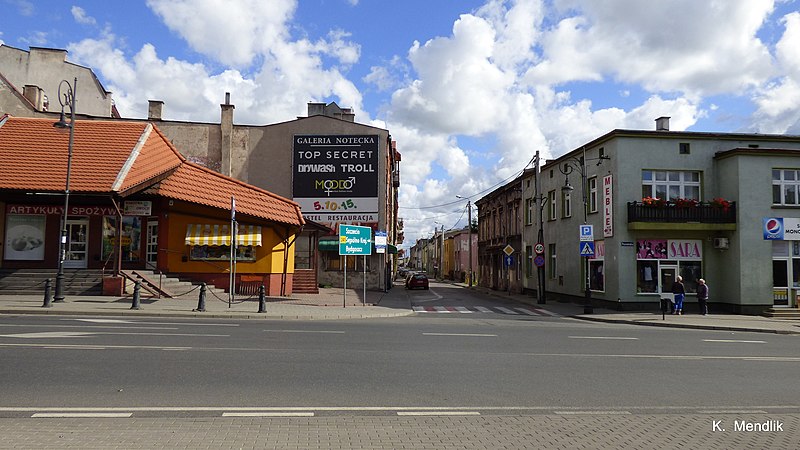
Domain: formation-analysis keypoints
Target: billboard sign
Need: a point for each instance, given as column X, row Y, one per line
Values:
column 335, row 175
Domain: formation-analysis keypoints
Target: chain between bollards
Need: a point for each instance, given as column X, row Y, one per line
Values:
column 201, row 303
column 48, row 299
column 262, row 300
column 136, row 295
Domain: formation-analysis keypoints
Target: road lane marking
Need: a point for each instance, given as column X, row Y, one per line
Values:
column 48, row 335
column 438, row 413
column 621, row 338
column 732, row 411
column 460, row 334
column 104, row 320
column 267, row 414
column 188, row 324
column 484, row 309
column 595, row 413
column 506, row 310
column 81, row 415
column 84, row 327
column 463, row 310
column 441, row 309
column 306, row 331
column 735, row 341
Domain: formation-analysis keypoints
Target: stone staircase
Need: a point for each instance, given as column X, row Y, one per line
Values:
column 305, row 282
column 32, row 281
column 173, row 286
column 783, row 313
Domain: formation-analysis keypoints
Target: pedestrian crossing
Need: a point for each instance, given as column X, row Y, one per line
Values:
column 529, row 311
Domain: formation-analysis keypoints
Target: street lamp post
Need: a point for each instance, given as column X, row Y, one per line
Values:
column 67, row 99
column 568, row 166
column 540, row 200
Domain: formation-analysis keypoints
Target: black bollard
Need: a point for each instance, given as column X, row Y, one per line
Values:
column 48, row 299
column 201, row 303
column 262, row 300
column 136, row 294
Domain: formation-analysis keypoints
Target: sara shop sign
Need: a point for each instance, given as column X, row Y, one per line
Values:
column 678, row 249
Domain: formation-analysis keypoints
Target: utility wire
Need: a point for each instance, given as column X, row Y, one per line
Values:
column 516, row 174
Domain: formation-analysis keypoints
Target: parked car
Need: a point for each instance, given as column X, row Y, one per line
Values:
column 417, row 280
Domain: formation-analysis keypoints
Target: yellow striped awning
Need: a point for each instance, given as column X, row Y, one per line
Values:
column 215, row 234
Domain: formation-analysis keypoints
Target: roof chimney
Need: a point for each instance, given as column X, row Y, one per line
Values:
column 154, row 109
column 36, row 96
column 662, row 123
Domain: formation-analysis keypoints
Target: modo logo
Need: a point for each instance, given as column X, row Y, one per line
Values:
column 335, row 185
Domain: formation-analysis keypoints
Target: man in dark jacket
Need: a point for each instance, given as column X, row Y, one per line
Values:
column 702, row 296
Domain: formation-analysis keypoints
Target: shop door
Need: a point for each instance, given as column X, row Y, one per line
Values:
column 666, row 277
column 76, row 248
column 152, row 244
column 780, row 283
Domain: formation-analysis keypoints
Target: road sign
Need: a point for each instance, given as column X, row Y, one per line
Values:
column 539, row 248
column 586, row 233
column 355, row 240
column 380, row 242
column 587, row 249
column 539, row 261
column 508, row 250
column 509, row 260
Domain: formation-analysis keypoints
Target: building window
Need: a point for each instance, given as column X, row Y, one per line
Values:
column 552, row 268
column 671, row 184
column 528, row 261
column 551, row 205
column 683, row 148
column 785, row 184
column 592, row 194
column 566, row 204
column 529, row 211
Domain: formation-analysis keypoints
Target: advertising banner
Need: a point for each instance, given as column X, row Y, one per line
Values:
column 335, row 174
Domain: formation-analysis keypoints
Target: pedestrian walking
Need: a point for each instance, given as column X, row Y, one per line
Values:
column 679, row 292
column 702, row 296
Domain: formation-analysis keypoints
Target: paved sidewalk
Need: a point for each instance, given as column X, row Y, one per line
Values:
column 329, row 304
column 725, row 322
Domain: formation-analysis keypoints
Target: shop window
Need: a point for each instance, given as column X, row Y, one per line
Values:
column 596, row 275
column 303, row 252
column 221, row 253
column 646, row 277
column 785, row 185
column 671, row 184
column 354, row 263
column 131, row 236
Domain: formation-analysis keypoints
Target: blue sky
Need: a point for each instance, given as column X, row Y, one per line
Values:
column 470, row 89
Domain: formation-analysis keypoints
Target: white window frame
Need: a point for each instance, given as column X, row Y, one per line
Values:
column 786, row 180
column 592, row 194
column 566, row 204
column 552, row 207
column 667, row 179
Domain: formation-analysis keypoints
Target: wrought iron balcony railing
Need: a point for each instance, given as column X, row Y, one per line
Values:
column 670, row 212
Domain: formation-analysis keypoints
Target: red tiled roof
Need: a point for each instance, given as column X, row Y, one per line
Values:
column 123, row 158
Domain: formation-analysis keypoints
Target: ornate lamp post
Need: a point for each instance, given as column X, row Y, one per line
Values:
column 67, row 99
column 566, row 167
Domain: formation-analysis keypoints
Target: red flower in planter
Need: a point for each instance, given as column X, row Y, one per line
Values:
column 654, row 202
column 685, row 202
column 720, row 202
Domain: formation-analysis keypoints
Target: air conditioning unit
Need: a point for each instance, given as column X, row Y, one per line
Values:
column 721, row 243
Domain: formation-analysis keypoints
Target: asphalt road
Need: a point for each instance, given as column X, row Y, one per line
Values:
column 487, row 363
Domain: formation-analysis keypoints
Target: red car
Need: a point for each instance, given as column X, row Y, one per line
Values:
column 417, row 280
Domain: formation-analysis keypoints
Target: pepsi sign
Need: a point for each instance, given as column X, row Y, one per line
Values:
column 773, row 228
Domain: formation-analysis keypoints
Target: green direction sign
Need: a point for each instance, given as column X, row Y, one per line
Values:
column 355, row 240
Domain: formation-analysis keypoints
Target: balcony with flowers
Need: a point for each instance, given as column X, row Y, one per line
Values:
column 682, row 213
